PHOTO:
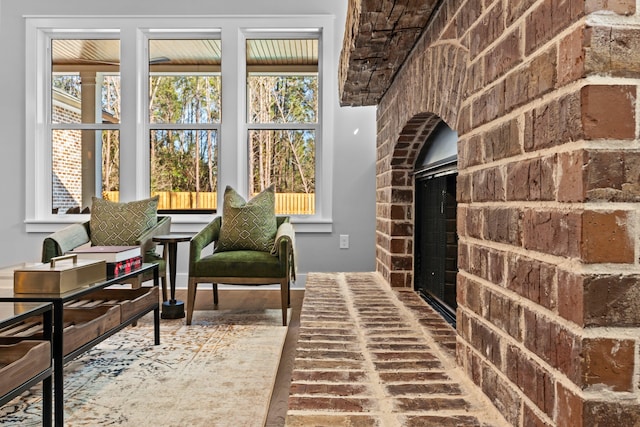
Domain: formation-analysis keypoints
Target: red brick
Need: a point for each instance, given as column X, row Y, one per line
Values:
column 609, row 363
column 300, row 420
column 421, row 389
column 604, row 413
column 539, row 26
column 621, row 7
column 533, row 280
column 327, row 389
column 470, row 151
column 613, row 51
column 542, row 74
column 570, row 408
column 554, row 123
column 503, row 225
column 329, row 376
column 417, row 376
column 506, row 401
column 331, row 404
column 488, row 185
column 474, row 222
column 602, row 231
column 608, row 111
column 503, row 57
column 503, row 141
column 516, row 8
column 463, row 188
column 430, row 404
column 441, row 421
column 531, row 179
column 503, row 313
column 532, row 419
column 487, row 30
column 489, row 105
column 611, row 300
column 571, row 54
column 571, row 185
column 571, row 297
column 552, row 232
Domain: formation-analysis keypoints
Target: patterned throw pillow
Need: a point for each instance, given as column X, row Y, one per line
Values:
column 121, row 224
column 248, row 225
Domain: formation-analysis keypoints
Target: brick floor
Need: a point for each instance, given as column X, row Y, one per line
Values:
column 372, row 356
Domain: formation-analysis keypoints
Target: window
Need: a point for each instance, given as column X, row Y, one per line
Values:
column 84, row 115
column 184, row 123
column 127, row 109
column 282, row 115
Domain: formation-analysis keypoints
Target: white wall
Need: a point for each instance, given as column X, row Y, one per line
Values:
column 353, row 135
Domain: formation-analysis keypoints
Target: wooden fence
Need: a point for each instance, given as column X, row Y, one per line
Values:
column 286, row 203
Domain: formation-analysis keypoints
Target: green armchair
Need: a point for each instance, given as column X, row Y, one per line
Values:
column 74, row 235
column 241, row 267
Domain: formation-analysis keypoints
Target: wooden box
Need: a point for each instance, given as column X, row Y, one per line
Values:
column 62, row 274
column 22, row 361
column 82, row 325
column 131, row 301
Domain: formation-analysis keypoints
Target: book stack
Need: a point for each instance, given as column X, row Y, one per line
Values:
column 119, row 259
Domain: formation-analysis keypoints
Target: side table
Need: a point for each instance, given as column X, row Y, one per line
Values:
column 172, row 309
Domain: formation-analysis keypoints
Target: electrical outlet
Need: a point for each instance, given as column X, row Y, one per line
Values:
column 344, row 241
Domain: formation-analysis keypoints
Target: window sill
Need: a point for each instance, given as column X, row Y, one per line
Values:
column 183, row 223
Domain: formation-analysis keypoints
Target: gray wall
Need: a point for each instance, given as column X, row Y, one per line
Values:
column 354, row 152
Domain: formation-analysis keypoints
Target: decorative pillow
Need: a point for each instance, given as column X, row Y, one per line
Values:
column 248, row 225
column 121, row 224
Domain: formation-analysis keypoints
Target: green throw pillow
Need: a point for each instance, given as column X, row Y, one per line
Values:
column 248, row 225
column 121, row 224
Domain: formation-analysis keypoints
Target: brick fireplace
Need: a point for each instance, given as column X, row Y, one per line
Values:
column 543, row 96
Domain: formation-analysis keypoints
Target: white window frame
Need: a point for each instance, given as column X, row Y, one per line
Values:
column 134, row 32
column 315, row 127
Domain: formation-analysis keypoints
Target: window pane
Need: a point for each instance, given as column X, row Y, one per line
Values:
column 184, row 84
column 282, row 81
column 77, row 175
column 85, row 81
column 184, row 168
column 184, row 99
column 285, row 158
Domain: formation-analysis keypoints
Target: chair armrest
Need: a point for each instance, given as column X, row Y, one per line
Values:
column 284, row 247
column 145, row 240
column 64, row 240
column 284, row 240
column 204, row 238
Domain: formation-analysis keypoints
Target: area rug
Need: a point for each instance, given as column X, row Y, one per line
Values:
column 217, row 372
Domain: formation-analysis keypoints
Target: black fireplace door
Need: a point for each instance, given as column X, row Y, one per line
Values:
column 436, row 242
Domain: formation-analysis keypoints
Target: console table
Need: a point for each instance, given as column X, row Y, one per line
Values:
column 58, row 300
column 34, row 365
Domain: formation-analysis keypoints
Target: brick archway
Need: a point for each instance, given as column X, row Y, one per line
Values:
column 433, row 98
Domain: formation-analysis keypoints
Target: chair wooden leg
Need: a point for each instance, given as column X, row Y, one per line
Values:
column 284, row 296
column 191, row 299
column 215, row 294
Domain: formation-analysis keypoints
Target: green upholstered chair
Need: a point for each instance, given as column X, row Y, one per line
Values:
column 241, row 267
column 74, row 235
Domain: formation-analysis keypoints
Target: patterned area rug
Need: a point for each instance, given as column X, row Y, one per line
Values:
column 218, row 372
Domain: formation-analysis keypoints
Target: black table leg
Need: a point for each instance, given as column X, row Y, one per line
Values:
column 58, row 362
column 47, row 391
column 172, row 309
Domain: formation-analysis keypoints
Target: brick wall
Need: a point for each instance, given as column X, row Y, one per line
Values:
column 66, row 162
column 543, row 97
